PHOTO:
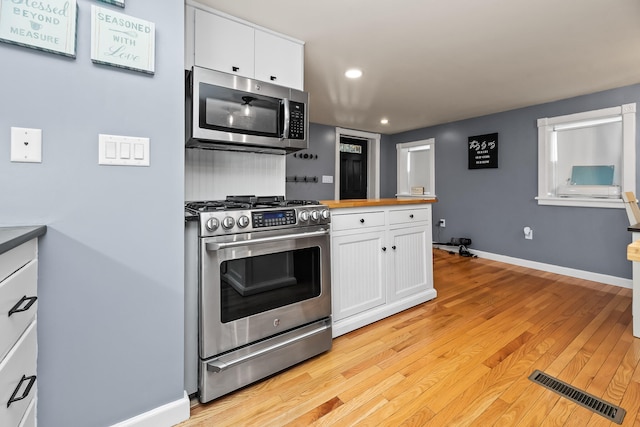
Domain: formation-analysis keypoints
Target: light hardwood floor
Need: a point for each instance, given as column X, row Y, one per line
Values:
column 461, row 359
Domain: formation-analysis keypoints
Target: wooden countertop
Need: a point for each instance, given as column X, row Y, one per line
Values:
column 359, row 203
column 633, row 251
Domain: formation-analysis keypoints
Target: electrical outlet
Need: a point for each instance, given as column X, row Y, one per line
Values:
column 442, row 223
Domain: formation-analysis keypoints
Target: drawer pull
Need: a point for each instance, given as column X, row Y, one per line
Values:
column 393, row 247
column 28, row 300
column 235, row 69
column 411, row 216
column 384, row 249
column 31, row 379
column 361, row 220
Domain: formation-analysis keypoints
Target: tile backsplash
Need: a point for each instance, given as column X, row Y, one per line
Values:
column 213, row 175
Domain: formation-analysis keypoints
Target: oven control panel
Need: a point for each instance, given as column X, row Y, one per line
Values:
column 274, row 218
column 218, row 223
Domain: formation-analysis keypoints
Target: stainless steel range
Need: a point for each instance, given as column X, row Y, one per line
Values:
column 258, row 294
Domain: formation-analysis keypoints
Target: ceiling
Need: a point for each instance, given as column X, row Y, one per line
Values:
column 428, row 62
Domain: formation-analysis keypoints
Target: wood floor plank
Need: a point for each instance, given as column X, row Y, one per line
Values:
column 461, row 359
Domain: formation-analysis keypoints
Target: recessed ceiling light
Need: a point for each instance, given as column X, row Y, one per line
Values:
column 353, row 73
column 384, row 121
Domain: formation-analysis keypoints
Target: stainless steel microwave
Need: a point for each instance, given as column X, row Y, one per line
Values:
column 229, row 112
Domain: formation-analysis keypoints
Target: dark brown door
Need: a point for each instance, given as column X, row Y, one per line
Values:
column 353, row 168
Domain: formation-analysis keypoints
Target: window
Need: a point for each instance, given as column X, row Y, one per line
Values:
column 416, row 169
column 587, row 159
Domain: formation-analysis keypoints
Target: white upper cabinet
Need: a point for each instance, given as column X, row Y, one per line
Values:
column 278, row 60
column 218, row 42
column 223, row 45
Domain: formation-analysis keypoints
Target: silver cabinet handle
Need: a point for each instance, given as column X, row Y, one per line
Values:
column 212, row 246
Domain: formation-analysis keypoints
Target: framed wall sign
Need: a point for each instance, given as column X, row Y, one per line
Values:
column 122, row 41
column 115, row 2
column 483, row 151
column 48, row 26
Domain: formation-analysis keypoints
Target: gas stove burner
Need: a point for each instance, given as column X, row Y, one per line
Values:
column 216, row 205
column 257, row 200
column 269, row 201
column 301, row 202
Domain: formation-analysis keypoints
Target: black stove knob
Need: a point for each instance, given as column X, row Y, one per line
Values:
column 212, row 224
column 228, row 223
column 243, row 221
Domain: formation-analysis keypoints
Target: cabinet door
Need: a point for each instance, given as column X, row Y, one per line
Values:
column 278, row 60
column 223, row 45
column 410, row 269
column 359, row 273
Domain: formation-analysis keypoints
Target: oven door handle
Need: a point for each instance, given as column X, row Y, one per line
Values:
column 213, row 246
column 219, row 365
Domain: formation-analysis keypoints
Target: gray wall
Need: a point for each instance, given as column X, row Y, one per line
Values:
column 491, row 206
column 322, row 142
column 110, row 315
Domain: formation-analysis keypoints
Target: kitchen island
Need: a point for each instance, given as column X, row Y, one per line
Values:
column 381, row 261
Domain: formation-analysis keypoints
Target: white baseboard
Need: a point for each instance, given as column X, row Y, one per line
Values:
column 565, row 271
column 351, row 323
column 163, row 416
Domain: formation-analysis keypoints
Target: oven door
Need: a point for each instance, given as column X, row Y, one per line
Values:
column 256, row 285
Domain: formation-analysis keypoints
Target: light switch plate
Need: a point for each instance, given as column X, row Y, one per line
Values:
column 123, row 150
column 26, row 145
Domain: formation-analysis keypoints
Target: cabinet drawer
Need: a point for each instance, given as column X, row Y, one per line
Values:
column 17, row 373
column 402, row 216
column 12, row 260
column 357, row 220
column 29, row 419
column 17, row 295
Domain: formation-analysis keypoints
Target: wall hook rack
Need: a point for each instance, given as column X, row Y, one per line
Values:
column 304, row 178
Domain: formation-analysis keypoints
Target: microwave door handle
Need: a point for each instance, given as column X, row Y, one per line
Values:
column 287, row 118
column 212, row 246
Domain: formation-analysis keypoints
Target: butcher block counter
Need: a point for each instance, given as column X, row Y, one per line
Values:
column 359, row 203
column 380, row 259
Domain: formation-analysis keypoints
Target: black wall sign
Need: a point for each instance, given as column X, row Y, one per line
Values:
column 483, row 151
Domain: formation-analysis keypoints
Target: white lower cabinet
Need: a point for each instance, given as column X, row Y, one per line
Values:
column 18, row 337
column 358, row 263
column 381, row 263
column 410, row 269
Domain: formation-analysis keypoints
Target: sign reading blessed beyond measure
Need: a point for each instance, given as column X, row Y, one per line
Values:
column 121, row 40
column 48, row 25
column 483, row 151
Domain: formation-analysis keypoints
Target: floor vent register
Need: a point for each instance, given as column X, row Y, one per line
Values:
column 595, row 404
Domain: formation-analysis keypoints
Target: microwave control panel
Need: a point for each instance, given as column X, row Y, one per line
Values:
column 296, row 122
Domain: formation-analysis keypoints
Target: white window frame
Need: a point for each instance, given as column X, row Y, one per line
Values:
column 545, row 131
column 401, row 169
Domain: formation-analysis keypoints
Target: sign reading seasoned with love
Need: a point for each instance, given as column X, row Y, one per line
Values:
column 122, row 41
column 48, row 25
